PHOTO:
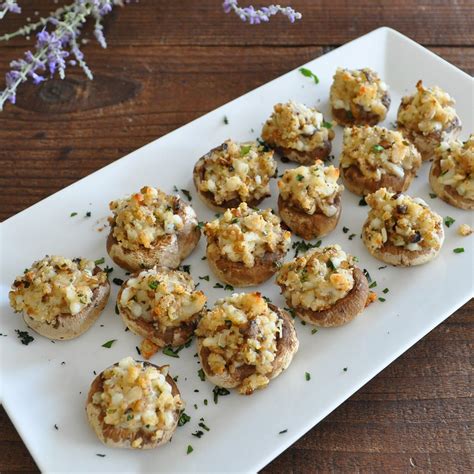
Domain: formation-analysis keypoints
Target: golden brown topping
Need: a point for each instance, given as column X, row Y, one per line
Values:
column 144, row 217
column 456, row 161
column 311, row 188
column 243, row 234
column 241, row 329
column 237, row 171
column 317, row 279
column 359, row 88
column 167, row 297
column 55, row 285
column 397, row 219
column 293, row 125
column 376, row 151
column 137, row 396
column 426, row 111
column 464, row 230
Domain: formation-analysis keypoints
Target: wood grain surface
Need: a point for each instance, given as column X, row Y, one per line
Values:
column 169, row 62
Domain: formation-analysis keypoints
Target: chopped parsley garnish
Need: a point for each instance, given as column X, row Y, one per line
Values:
column 218, row 285
column 226, row 120
column 99, row 261
column 345, row 369
column 187, row 268
column 385, row 290
column 198, row 433
column 345, row 230
column 303, row 323
column 108, row 269
column 205, row 401
column 205, row 277
column 183, row 419
column 299, row 177
column 201, row 374
column 352, row 236
column 263, row 144
column 326, row 124
column 153, row 284
column 244, row 149
column 169, row 351
column 200, row 224
column 362, row 201
column 282, row 431
column 229, row 288
column 203, row 426
column 116, row 309
column 382, row 300
column 219, row 391
column 108, row 344
column 100, row 455
column 433, row 196
column 373, row 284
column 187, row 194
column 138, row 350
column 307, row 376
column 330, row 265
column 88, row 213
column 302, row 246
column 56, row 427
column 383, row 267
column 367, row 275
column 190, row 449
column 459, row 250
column 24, row 337
column 308, row 73
column 378, row 148
column 73, row 214
column 267, row 299
column 449, row 221
column 118, row 281
column 314, row 330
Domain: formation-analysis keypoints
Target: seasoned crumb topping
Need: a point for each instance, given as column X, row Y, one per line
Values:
column 167, row 297
column 428, row 110
column 464, row 230
column 293, row 125
column 144, row 217
column 376, row 151
column 397, row 219
column 358, row 88
column 55, row 285
column 456, row 160
column 241, row 330
column 317, row 279
column 244, row 234
column 311, row 188
column 137, row 396
column 237, row 171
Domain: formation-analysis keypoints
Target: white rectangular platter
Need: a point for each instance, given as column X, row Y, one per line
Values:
column 39, row 391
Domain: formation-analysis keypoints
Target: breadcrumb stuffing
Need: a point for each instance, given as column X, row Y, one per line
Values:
column 465, row 229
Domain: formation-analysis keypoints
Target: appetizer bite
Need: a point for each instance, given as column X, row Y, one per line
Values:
column 60, row 298
column 428, row 118
column 298, row 133
column 310, row 199
column 151, row 228
column 233, row 173
column 161, row 305
column 401, row 230
column 244, row 342
column 245, row 246
column 374, row 157
column 324, row 287
column 134, row 404
column 358, row 97
column 452, row 173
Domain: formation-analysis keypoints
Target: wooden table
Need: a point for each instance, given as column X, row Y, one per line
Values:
column 170, row 62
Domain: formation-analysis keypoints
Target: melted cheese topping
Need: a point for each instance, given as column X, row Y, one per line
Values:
column 167, row 297
column 144, row 217
column 293, row 125
column 358, row 88
column 376, row 151
column 426, row 111
column 137, row 396
column 396, row 219
column 244, row 234
column 311, row 188
column 456, row 160
column 55, row 285
column 241, row 330
column 238, row 171
column 317, row 279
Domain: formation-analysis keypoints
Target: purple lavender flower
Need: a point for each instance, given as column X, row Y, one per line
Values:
column 9, row 6
column 255, row 17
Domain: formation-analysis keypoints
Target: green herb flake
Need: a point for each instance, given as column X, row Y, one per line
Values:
column 351, row 236
column 108, row 269
column 187, row 268
column 205, row 401
column 88, row 214
column 282, row 431
column 219, row 392
column 373, row 284
column 153, row 284
column 308, row 73
column 187, row 194
column 244, row 149
column 201, row 374
column 378, row 148
column 362, row 201
column 314, row 330
column 449, row 221
column 170, row 352
column 198, row 434
column 385, row 290
column 433, row 196
column 226, row 120
column 458, row 250
column 73, row 214
column 307, row 376
column 218, row 285
column 345, row 230
column 99, row 261
column 203, row 426
column 24, row 337
column 326, row 124
column 345, row 369
column 100, row 455
column 229, row 288
column 190, row 449
column 116, row 309
column 200, row 224
column 108, row 344
column 382, row 300
column 205, row 277
column 118, row 281
column 183, row 419
column 299, row 177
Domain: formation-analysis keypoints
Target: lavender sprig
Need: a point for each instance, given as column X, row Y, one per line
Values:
column 9, row 6
column 256, row 16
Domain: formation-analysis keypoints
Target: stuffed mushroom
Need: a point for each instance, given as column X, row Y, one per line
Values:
column 245, row 246
column 233, row 173
column 134, row 405
column 298, row 133
column 452, row 173
column 428, row 118
column 324, row 287
column 151, row 228
column 310, row 200
column 244, row 342
column 358, row 97
column 60, row 298
column 161, row 305
column 374, row 157
column 401, row 230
